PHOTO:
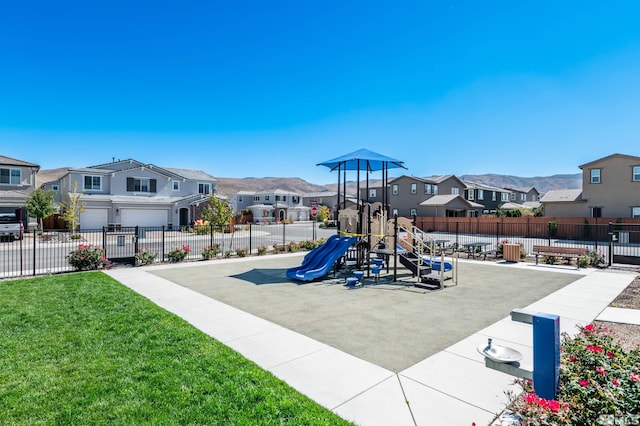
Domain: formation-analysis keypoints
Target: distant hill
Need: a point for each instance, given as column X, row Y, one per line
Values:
column 228, row 186
column 543, row 184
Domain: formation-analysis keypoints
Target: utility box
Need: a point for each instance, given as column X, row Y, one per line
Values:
column 511, row 252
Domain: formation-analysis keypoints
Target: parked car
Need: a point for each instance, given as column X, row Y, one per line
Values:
column 10, row 226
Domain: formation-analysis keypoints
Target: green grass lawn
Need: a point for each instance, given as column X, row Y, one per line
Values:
column 83, row 349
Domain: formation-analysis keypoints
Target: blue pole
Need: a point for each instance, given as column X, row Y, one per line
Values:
column 546, row 354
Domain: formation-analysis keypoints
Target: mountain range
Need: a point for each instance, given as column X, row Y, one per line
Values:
column 228, row 186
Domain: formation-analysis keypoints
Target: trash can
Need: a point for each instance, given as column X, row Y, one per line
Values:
column 120, row 240
column 511, row 252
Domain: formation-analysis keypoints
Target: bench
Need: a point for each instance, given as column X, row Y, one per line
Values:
column 556, row 251
column 484, row 254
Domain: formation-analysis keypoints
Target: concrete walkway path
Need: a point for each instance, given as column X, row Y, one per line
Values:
column 441, row 389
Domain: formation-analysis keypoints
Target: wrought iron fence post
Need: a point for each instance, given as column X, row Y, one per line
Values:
column 135, row 244
column 163, row 236
column 250, row 242
column 35, row 234
column 283, row 234
column 497, row 233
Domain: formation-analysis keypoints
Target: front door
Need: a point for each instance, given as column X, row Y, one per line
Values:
column 184, row 217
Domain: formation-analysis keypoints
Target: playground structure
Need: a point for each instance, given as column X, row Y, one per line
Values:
column 365, row 230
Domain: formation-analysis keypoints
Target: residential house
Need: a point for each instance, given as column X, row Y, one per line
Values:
column 131, row 193
column 271, row 205
column 523, row 195
column 563, row 203
column 17, row 181
column 491, row 197
column 427, row 196
column 610, row 188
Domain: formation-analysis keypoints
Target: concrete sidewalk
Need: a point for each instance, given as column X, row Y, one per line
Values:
column 441, row 389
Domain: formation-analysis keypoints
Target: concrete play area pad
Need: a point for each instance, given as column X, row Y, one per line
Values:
column 392, row 325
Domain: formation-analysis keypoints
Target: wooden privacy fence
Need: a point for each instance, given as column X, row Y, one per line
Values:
column 570, row 228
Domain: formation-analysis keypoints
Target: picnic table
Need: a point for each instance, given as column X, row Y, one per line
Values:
column 472, row 248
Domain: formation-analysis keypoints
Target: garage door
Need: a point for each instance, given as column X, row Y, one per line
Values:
column 94, row 218
column 143, row 217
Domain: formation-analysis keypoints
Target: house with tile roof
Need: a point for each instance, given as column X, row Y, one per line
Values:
column 17, row 181
column 131, row 193
column 610, row 188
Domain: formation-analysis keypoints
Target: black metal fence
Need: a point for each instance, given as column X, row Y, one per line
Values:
column 618, row 243
column 46, row 252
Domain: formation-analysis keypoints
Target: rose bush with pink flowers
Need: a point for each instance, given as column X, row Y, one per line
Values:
column 599, row 381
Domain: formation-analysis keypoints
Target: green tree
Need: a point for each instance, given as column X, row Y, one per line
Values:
column 41, row 204
column 323, row 214
column 72, row 209
column 218, row 212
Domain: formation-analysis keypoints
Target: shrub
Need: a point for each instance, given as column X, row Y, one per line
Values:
column 242, row 252
column 211, row 251
column 279, row 248
column 179, row 253
column 599, row 381
column 293, row 247
column 595, row 257
column 88, row 257
column 145, row 257
column 262, row 250
column 550, row 260
column 203, row 229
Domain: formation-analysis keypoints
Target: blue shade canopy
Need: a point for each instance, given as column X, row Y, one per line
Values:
column 363, row 159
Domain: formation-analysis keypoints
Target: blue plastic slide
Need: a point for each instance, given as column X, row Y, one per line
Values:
column 436, row 264
column 319, row 262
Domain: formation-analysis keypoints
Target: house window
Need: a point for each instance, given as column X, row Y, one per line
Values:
column 635, row 211
column 141, row 185
column 414, row 188
column 504, row 196
column 266, row 198
column 427, row 188
column 10, row 176
column 470, row 194
column 92, row 183
column 175, row 185
column 278, row 198
column 596, row 211
column 493, row 196
column 523, row 197
column 595, row 176
column 435, row 189
column 480, row 194
column 455, row 190
column 55, row 188
column 204, row 188
column 394, row 189
column 513, row 196
column 372, row 193
column 294, row 199
column 414, row 212
column 256, row 198
column 636, row 173
column 239, row 198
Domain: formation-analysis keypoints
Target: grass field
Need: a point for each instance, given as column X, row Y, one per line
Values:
column 83, row 349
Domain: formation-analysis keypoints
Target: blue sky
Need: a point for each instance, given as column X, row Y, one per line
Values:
column 255, row 88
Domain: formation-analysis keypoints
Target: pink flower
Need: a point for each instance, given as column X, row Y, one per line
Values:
column 554, row 405
column 615, row 382
column 611, row 355
column 595, row 348
column 601, row 370
column 584, row 383
column 590, row 328
column 635, row 377
column 573, row 359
